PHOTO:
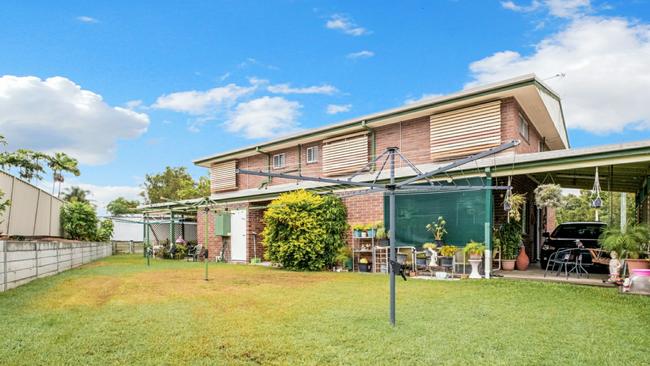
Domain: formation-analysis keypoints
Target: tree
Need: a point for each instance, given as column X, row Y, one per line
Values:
column 304, row 231
column 173, row 184
column 79, row 221
column 59, row 163
column 105, row 230
column 578, row 208
column 28, row 163
column 122, row 206
column 76, row 194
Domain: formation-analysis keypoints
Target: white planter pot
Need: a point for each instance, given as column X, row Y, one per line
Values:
column 475, row 263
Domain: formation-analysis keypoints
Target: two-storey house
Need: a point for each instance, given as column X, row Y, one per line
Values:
column 428, row 133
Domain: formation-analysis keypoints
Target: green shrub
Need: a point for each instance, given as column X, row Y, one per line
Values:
column 304, row 231
column 105, row 231
column 79, row 221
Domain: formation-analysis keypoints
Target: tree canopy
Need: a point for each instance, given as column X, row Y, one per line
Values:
column 122, row 206
column 173, row 184
column 578, row 208
column 76, row 194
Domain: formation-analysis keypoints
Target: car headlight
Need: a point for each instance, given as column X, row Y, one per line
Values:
column 547, row 247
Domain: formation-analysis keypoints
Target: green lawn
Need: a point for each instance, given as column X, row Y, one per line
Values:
column 118, row 311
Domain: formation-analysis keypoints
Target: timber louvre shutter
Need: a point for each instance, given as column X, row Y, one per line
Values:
column 465, row 131
column 345, row 154
column 223, row 176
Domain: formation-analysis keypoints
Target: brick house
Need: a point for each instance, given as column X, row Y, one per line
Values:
column 428, row 133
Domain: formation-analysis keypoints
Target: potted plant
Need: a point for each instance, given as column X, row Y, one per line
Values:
column 513, row 204
column 509, row 240
column 474, row 250
column 447, row 253
column 357, row 229
column 372, row 230
column 364, row 230
column 342, row 259
column 429, row 246
column 629, row 244
column 381, row 233
column 437, row 228
column 364, row 265
column 548, row 195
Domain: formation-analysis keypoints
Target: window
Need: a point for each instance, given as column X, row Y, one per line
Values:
column 278, row 161
column 523, row 127
column 541, row 146
column 312, row 154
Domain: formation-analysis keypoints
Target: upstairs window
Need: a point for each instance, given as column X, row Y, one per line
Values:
column 312, row 154
column 523, row 127
column 278, row 161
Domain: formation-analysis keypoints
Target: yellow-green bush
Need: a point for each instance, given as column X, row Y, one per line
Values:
column 304, row 231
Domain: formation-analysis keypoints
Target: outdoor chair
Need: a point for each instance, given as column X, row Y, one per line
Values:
column 193, row 253
column 496, row 258
column 569, row 260
column 459, row 260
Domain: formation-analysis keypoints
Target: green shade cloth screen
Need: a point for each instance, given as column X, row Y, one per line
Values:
column 463, row 211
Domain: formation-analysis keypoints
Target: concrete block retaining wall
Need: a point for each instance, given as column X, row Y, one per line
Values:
column 24, row 261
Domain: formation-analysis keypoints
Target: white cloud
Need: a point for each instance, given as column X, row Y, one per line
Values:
column 346, row 25
column 422, row 98
column 56, row 114
column 101, row 196
column 133, row 104
column 361, row 54
column 287, row 89
column 202, row 102
column 264, row 117
column 606, row 65
column 567, row 8
column 557, row 8
column 87, row 19
column 338, row 108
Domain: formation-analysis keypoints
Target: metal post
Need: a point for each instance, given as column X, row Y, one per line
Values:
column 393, row 229
column 171, row 229
column 623, row 211
column 538, row 232
column 488, row 224
column 207, row 237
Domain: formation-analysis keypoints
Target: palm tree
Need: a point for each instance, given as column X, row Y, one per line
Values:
column 59, row 163
column 76, row 194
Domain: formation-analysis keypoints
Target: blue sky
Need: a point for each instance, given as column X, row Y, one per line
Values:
column 196, row 78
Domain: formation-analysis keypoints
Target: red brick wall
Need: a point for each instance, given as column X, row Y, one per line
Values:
column 510, row 110
column 364, row 209
column 411, row 136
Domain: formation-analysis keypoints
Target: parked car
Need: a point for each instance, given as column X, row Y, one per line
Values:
column 567, row 234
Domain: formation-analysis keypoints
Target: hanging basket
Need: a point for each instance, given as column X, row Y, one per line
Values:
column 548, row 195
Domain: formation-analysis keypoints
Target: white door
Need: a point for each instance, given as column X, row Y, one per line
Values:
column 238, row 236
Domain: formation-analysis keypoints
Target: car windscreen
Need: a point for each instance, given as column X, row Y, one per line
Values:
column 578, row 231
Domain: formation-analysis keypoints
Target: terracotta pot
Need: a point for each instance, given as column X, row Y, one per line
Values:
column 522, row 259
column 637, row 264
column 508, row 264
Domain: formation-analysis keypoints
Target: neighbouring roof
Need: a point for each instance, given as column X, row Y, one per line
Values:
column 539, row 102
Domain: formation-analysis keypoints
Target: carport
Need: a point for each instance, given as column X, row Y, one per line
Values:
column 621, row 168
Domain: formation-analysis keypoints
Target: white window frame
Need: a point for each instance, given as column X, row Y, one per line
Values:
column 280, row 162
column 524, row 127
column 314, row 154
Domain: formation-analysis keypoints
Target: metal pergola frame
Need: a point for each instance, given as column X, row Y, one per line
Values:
column 408, row 185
